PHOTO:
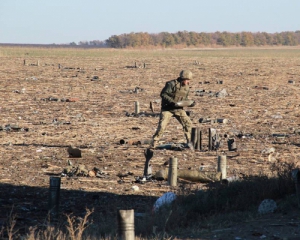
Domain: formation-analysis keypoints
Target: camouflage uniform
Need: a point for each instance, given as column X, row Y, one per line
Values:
column 172, row 93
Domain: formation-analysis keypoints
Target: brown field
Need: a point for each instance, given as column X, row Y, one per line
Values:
column 261, row 103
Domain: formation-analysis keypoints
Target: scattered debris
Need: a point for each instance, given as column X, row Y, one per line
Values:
column 231, row 144
column 142, row 114
column 74, row 152
column 55, row 99
column 135, row 188
column 95, row 78
column 82, row 171
column 135, row 90
column 13, row 128
column 261, row 88
column 268, row 150
column 222, row 93
column 191, row 175
column 134, row 141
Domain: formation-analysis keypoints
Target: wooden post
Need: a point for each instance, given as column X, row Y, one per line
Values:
column 54, row 192
column 24, row 62
column 59, row 66
column 38, row 63
column 172, row 175
column 137, row 107
column 194, row 137
column 222, row 161
column 126, row 225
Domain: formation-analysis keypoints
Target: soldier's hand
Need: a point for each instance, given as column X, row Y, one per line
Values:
column 193, row 104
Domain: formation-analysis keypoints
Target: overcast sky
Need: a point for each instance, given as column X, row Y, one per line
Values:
column 65, row 21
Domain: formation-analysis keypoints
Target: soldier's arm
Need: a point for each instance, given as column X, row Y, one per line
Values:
column 167, row 93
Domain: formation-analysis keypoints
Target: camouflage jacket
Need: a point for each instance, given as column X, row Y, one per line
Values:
column 172, row 93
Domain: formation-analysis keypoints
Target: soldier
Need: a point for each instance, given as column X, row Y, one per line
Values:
column 174, row 92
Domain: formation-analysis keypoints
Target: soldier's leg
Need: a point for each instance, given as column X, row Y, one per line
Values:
column 162, row 124
column 186, row 123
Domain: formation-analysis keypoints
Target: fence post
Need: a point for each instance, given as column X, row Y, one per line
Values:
column 54, row 193
column 126, row 225
column 222, row 162
column 172, row 175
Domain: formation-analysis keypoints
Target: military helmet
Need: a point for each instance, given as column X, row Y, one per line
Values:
column 186, row 74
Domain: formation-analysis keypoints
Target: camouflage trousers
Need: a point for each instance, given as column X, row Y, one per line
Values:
column 182, row 118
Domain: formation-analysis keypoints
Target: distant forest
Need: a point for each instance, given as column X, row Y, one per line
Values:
column 194, row 39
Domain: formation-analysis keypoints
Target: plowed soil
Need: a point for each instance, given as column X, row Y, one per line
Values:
column 87, row 102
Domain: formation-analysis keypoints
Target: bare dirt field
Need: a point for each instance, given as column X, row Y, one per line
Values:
column 86, row 99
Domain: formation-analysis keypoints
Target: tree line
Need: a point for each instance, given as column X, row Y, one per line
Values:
column 194, row 39
column 185, row 38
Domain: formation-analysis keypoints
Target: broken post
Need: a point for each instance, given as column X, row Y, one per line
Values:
column 137, row 107
column 222, row 161
column 54, row 192
column 172, row 176
column 126, row 225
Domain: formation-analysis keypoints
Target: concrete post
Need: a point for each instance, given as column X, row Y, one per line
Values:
column 172, row 175
column 126, row 225
column 137, row 107
column 222, row 161
column 54, row 193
